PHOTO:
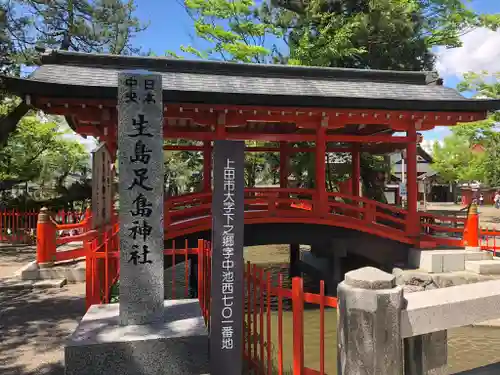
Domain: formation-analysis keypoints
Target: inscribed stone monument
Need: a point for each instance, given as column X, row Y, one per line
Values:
column 140, row 145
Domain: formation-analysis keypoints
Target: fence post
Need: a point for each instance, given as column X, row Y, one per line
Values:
column 369, row 324
column 89, row 290
column 298, row 325
column 45, row 239
column 471, row 230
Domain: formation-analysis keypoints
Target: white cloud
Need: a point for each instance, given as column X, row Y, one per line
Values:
column 89, row 142
column 428, row 144
column 480, row 51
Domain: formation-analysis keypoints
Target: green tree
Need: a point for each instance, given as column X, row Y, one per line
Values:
column 483, row 167
column 375, row 34
column 37, row 151
column 77, row 25
column 455, row 161
column 31, row 26
column 232, row 30
column 7, row 52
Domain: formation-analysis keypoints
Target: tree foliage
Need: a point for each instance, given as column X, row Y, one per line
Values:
column 368, row 34
column 7, row 51
column 76, row 25
column 230, row 31
column 38, row 151
column 456, row 160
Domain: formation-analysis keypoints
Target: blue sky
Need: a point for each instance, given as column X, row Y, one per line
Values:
column 171, row 27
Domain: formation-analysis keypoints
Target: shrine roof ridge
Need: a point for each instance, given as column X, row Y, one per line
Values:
column 83, row 76
column 165, row 65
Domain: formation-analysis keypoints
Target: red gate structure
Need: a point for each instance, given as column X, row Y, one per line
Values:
column 293, row 110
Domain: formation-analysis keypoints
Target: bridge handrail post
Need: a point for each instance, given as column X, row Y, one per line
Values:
column 271, row 201
column 370, row 212
column 369, row 323
column 45, row 239
column 166, row 214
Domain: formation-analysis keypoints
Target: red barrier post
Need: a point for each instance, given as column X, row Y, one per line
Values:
column 471, row 231
column 45, row 240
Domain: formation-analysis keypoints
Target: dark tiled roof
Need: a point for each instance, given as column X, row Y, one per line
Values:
column 80, row 75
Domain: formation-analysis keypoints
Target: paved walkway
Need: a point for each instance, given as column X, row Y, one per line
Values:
column 35, row 323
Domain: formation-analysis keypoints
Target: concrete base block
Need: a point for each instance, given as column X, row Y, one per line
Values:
column 179, row 345
column 17, row 284
column 473, row 248
column 478, row 255
column 484, row 267
column 437, row 261
column 71, row 271
column 426, row 354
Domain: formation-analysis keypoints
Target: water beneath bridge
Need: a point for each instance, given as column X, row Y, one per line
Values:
column 468, row 347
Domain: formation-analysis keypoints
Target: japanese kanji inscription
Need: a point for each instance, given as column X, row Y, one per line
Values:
column 226, row 323
column 140, row 149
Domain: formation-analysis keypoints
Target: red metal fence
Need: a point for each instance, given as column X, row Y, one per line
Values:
column 265, row 298
column 489, row 239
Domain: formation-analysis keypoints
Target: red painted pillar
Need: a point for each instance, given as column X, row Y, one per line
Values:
column 45, row 240
column 412, row 222
column 321, row 170
column 283, row 165
column 471, row 230
column 207, row 166
column 356, row 169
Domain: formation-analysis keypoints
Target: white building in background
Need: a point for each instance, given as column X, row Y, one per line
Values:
column 424, row 161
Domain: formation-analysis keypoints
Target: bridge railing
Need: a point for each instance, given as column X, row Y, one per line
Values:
column 368, row 210
column 50, row 235
column 444, row 230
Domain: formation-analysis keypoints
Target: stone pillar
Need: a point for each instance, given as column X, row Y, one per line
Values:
column 140, row 145
column 143, row 334
column 426, row 354
column 294, row 269
column 369, row 324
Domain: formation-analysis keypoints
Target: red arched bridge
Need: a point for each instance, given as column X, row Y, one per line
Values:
column 191, row 213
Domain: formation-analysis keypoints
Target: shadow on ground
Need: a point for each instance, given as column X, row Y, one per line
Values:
column 34, row 326
column 13, row 258
column 493, row 369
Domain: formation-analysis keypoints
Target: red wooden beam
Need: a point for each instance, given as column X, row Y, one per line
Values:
column 208, row 136
column 367, row 138
column 256, row 149
column 238, row 115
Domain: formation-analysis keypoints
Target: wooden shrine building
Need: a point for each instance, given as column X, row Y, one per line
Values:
column 340, row 110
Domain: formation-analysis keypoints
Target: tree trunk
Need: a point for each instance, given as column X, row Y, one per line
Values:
column 9, row 123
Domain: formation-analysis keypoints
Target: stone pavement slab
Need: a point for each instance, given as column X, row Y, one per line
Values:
column 34, row 325
column 12, row 258
column 493, row 369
